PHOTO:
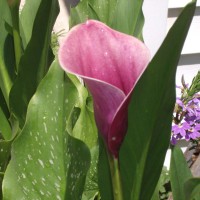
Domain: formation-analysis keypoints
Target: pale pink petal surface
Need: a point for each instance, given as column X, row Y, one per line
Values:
column 110, row 63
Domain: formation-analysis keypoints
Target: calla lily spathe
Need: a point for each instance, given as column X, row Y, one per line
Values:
column 110, row 63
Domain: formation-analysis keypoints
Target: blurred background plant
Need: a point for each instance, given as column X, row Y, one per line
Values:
column 186, row 119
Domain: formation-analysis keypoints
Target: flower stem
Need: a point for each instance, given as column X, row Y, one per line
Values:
column 116, row 178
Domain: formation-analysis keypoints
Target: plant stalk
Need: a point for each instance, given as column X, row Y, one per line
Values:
column 116, row 178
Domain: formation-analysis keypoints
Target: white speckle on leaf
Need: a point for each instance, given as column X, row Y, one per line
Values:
column 23, row 175
column 52, row 155
column 30, row 157
column 57, row 185
column 36, row 138
column 43, row 183
column 45, row 127
column 51, row 162
column 52, row 146
column 58, row 197
column 43, row 179
column 41, row 163
column 26, row 189
column 52, row 137
column 41, row 192
column 34, row 182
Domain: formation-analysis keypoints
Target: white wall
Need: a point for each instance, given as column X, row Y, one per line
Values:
column 155, row 27
column 190, row 60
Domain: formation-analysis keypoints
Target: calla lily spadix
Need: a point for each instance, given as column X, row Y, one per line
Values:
column 110, row 63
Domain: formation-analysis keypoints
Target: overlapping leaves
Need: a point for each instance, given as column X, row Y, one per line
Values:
column 61, row 160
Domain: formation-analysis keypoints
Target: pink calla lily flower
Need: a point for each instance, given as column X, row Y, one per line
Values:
column 110, row 63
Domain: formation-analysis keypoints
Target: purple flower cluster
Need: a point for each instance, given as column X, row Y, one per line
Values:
column 186, row 123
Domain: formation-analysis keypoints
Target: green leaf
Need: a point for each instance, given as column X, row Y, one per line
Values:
column 91, row 190
column 124, row 16
column 84, row 124
column 7, row 59
column 150, row 114
column 47, row 163
column 77, row 171
column 79, row 13
column 179, row 173
column 35, row 61
column 5, row 147
column 5, row 129
column 1, row 179
column 128, row 17
column 27, row 18
column 104, row 176
column 160, row 188
column 81, row 125
column 104, row 10
column 3, row 105
column 192, row 189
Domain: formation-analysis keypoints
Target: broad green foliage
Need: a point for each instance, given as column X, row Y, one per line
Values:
column 105, row 10
column 6, row 51
column 104, row 175
column 150, row 114
column 7, row 75
column 128, row 17
column 124, row 16
column 3, row 105
column 5, row 147
column 49, row 146
column 5, row 129
column 161, row 192
column 35, row 61
column 179, row 173
column 27, row 18
column 46, row 162
column 192, row 189
column 81, row 124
